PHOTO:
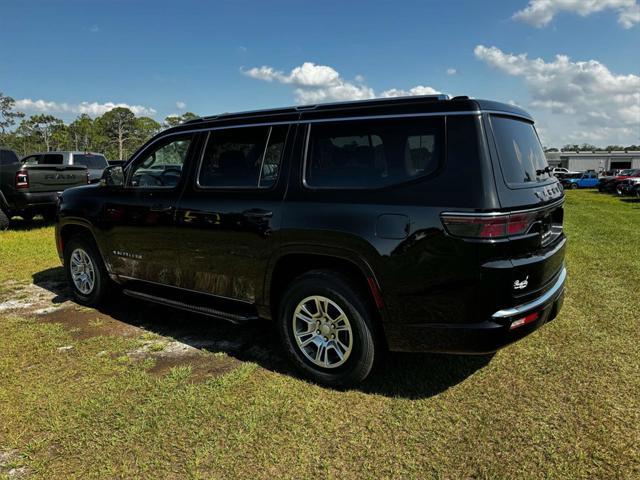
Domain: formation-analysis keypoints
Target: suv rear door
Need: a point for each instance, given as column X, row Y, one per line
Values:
column 231, row 210
column 534, row 196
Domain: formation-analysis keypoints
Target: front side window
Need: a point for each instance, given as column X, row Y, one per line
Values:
column 247, row 157
column 163, row 167
column 521, row 155
column 373, row 153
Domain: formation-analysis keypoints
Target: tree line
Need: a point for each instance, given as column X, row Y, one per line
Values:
column 117, row 133
column 587, row 147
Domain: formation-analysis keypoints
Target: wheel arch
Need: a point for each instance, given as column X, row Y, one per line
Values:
column 79, row 227
column 290, row 264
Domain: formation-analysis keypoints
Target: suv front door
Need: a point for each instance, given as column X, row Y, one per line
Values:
column 139, row 219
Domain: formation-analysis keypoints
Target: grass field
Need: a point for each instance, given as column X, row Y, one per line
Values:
column 90, row 394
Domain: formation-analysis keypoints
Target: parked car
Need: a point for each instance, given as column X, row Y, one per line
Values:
column 580, row 180
column 561, row 172
column 28, row 190
column 94, row 162
column 355, row 227
column 625, row 187
column 635, row 191
column 609, row 184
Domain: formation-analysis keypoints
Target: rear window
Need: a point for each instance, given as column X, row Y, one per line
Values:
column 50, row 159
column 90, row 161
column 521, row 156
column 373, row 153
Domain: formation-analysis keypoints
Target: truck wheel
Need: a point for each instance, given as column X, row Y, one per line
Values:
column 85, row 272
column 4, row 220
column 325, row 327
column 49, row 216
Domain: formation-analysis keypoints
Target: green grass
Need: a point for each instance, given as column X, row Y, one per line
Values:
column 564, row 402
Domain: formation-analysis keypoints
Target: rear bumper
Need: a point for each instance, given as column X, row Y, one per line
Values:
column 482, row 337
column 28, row 200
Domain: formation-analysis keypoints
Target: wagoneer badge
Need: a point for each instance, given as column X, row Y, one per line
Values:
column 521, row 284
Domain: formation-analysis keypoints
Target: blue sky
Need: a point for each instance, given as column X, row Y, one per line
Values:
column 166, row 57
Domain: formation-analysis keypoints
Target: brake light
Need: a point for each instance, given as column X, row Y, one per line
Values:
column 22, row 179
column 488, row 226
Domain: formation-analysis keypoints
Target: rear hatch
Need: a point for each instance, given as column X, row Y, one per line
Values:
column 534, row 199
column 54, row 178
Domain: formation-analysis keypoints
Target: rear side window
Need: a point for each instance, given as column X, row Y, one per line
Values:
column 89, row 160
column 522, row 159
column 373, row 153
column 7, row 157
column 247, row 157
column 50, row 159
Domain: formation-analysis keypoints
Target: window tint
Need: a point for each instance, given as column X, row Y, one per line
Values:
column 163, row 167
column 373, row 153
column 521, row 156
column 51, row 159
column 89, row 160
column 240, row 157
column 8, row 157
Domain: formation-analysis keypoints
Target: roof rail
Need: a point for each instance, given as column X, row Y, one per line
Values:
column 301, row 108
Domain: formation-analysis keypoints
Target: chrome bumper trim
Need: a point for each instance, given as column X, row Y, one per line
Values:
column 526, row 307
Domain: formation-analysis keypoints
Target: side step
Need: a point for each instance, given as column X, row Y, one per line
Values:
column 211, row 312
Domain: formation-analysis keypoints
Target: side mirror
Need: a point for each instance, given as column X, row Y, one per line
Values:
column 112, row 176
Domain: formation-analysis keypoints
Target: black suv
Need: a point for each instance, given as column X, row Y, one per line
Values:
column 411, row 224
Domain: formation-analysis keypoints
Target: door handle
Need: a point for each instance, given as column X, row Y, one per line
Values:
column 257, row 213
column 161, row 208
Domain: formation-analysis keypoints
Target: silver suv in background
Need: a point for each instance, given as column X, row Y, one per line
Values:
column 95, row 162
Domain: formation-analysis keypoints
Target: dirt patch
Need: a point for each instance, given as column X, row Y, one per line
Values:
column 86, row 323
column 46, row 296
column 11, row 464
column 202, row 366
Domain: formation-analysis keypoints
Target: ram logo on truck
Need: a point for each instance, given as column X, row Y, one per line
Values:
column 59, row 176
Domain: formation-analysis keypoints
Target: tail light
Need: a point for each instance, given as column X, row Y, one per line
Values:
column 490, row 226
column 22, row 179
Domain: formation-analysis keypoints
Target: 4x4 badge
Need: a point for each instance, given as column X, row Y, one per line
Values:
column 521, row 284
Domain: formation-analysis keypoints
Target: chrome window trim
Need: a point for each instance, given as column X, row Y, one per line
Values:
column 328, row 119
column 502, row 214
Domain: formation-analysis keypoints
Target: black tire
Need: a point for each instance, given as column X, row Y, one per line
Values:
column 101, row 284
column 574, row 186
column 4, row 220
column 349, row 298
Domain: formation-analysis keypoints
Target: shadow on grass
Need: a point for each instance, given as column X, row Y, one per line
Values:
column 20, row 225
column 402, row 375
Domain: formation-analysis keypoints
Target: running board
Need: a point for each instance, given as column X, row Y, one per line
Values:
column 211, row 312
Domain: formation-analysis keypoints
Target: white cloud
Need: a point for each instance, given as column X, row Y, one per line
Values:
column 451, row 71
column 418, row 90
column 321, row 83
column 540, row 12
column 93, row 109
column 181, row 105
column 587, row 92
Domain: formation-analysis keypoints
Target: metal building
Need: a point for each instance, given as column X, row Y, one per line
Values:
column 600, row 161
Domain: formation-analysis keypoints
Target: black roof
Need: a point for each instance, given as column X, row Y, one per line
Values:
column 383, row 106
